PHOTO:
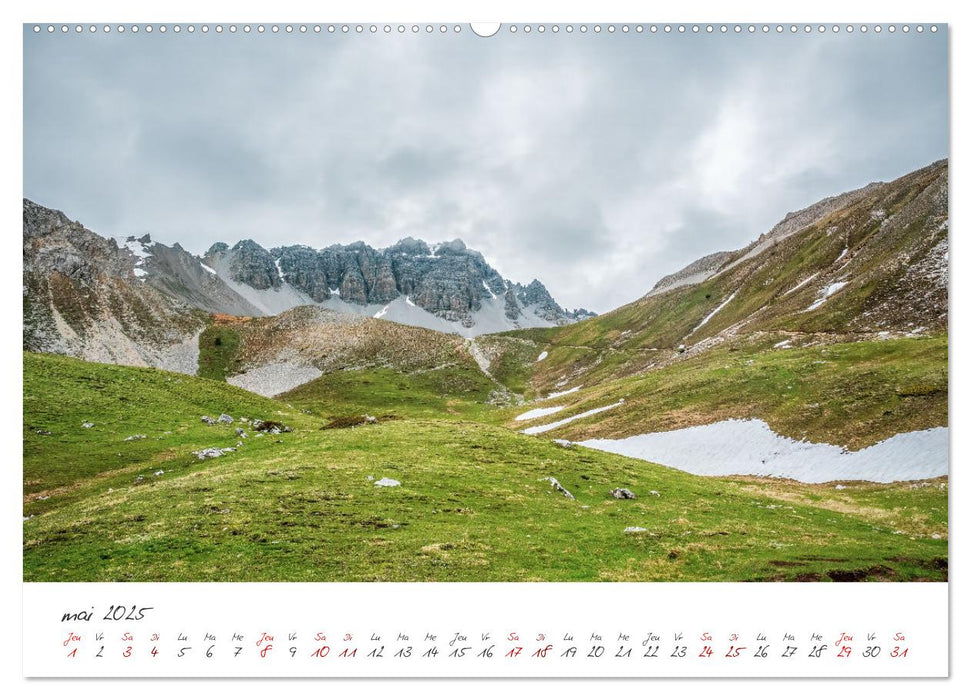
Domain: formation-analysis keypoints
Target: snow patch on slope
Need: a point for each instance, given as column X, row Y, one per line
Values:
column 138, row 250
column 539, row 412
column 826, row 294
column 802, row 284
column 135, row 247
column 557, row 394
column 751, row 447
column 536, row 429
column 710, row 316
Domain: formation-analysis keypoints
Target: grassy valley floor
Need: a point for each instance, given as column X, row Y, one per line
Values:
column 474, row 502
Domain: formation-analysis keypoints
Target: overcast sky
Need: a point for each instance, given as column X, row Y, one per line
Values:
column 596, row 163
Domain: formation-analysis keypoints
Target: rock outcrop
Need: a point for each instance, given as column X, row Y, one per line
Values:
column 180, row 274
column 85, row 296
column 448, row 280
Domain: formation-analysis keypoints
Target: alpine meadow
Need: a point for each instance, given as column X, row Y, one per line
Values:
column 409, row 412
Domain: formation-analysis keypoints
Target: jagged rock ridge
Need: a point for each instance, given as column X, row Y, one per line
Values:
column 134, row 301
column 448, row 280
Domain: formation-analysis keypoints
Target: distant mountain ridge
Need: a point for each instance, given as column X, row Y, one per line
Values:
column 454, row 284
column 138, row 302
column 177, row 272
column 872, row 262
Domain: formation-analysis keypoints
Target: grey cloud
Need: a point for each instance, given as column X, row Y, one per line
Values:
column 596, row 163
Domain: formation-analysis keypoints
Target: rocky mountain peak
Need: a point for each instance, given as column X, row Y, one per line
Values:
column 456, row 247
column 537, row 297
column 536, row 292
column 40, row 221
column 448, row 279
column 409, row 246
column 215, row 250
column 253, row 265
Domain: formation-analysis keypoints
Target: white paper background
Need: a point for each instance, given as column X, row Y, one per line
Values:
column 235, row 622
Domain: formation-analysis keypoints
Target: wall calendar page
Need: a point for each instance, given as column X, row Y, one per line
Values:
column 416, row 349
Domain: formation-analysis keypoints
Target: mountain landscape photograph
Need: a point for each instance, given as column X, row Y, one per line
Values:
column 545, row 307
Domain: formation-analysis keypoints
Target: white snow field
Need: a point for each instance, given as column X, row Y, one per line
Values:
column 537, row 429
column 274, row 378
column 750, row 447
column 557, row 394
column 538, row 413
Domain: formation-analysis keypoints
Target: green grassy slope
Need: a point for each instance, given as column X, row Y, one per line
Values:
column 329, row 341
column 218, row 351
column 885, row 249
column 61, row 394
column 852, row 394
column 472, row 505
column 456, row 390
column 512, row 358
column 370, row 366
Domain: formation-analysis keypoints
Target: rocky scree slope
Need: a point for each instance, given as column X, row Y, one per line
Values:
column 179, row 273
column 274, row 354
column 85, row 296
